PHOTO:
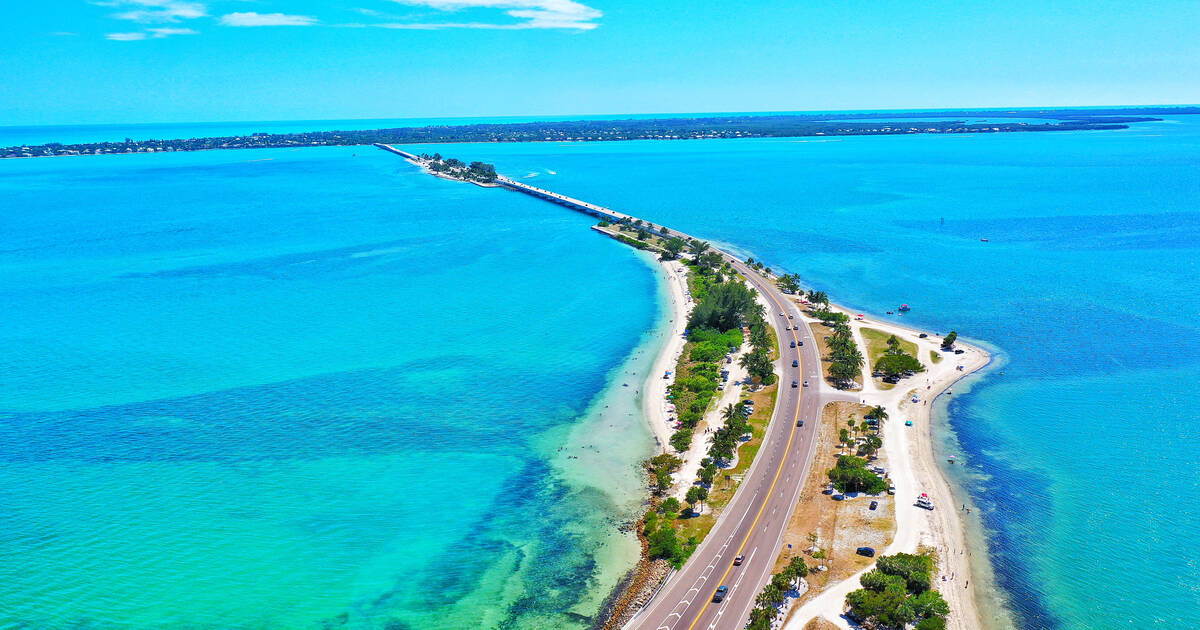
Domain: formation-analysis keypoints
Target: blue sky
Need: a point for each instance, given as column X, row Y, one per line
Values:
column 122, row 61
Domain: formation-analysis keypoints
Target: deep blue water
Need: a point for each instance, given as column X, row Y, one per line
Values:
column 1082, row 447
column 308, row 389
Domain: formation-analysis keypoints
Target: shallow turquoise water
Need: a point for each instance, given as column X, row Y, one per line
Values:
column 309, row 389
column 1083, row 453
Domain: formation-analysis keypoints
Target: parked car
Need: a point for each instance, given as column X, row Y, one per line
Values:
column 874, row 504
column 908, row 423
column 891, row 489
column 839, row 497
column 722, row 591
column 866, row 551
column 922, row 335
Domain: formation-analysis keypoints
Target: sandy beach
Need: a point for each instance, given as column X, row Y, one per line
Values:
column 654, row 392
column 914, row 471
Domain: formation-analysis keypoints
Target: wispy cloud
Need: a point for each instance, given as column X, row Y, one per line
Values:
column 564, row 14
column 152, row 11
column 267, row 19
column 150, row 33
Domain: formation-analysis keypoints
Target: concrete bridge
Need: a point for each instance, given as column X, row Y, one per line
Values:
column 404, row 154
column 599, row 212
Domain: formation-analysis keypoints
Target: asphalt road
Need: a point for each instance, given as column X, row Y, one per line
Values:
column 754, row 521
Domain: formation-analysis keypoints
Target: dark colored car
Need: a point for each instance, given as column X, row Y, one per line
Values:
column 793, row 344
column 959, row 351
column 866, row 551
column 722, row 591
column 799, row 423
column 737, row 562
column 922, row 335
column 795, row 383
column 874, row 504
column 795, row 363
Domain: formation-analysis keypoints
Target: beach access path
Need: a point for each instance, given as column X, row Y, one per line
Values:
column 914, row 470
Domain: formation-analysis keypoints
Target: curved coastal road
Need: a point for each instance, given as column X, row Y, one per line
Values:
column 754, row 521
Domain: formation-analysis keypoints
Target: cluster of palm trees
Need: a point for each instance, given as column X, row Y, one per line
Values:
column 774, row 594
column 845, row 359
column 862, row 434
column 758, row 266
column 758, row 361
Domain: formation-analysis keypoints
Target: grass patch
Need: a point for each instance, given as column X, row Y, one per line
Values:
column 934, row 356
column 877, row 345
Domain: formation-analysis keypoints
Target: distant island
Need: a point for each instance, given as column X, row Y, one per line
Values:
column 766, row 126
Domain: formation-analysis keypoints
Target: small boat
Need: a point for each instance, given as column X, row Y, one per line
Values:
column 951, row 459
column 983, row 240
column 903, row 307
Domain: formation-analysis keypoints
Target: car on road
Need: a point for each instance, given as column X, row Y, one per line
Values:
column 874, row 504
column 806, row 383
column 793, row 344
column 719, row 596
column 891, row 489
column 795, row 363
column 781, row 314
column 866, row 551
column 799, row 423
column 802, row 342
column 795, row 383
column 790, row 317
column 908, row 423
column 737, row 562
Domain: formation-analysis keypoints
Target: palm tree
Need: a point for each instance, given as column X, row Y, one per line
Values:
column 877, row 413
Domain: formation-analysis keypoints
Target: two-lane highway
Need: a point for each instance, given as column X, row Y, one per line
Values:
column 754, row 521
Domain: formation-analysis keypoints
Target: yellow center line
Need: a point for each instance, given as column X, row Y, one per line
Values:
column 774, row 481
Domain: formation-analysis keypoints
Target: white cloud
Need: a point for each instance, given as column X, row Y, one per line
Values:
column 159, row 33
column 150, row 33
column 149, row 11
column 266, row 19
column 532, row 13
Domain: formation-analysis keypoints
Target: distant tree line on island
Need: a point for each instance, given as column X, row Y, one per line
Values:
column 782, row 125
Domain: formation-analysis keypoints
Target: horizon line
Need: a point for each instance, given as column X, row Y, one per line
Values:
column 602, row 115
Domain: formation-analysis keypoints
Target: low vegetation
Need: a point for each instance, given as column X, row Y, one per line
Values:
column 897, row 594
column 948, row 340
column 850, row 474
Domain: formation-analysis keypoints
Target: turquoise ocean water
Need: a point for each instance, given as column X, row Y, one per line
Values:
column 310, row 389
column 242, row 393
